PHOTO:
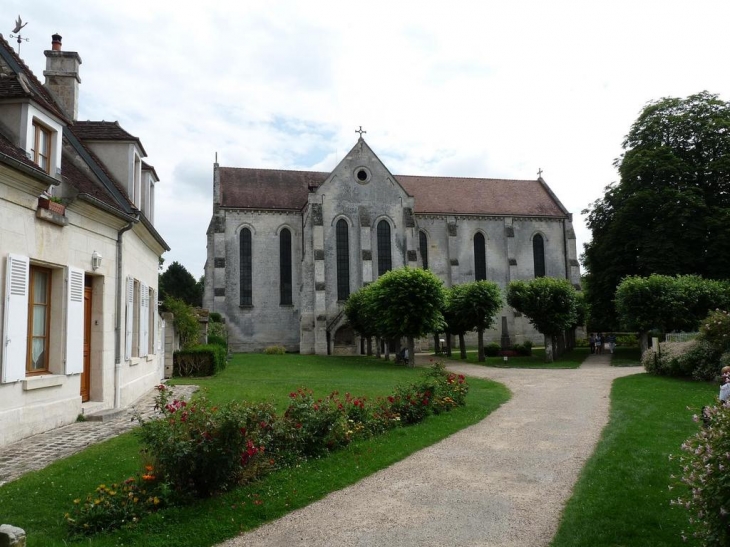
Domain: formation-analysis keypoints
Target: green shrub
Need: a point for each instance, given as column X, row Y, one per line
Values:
column 118, row 505
column 697, row 359
column 217, row 329
column 215, row 317
column 275, row 350
column 185, row 321
column 716, row 329
column 703, row 359
column 524, row 349
column 582, row 343
column 492, row 349
column 627, row 340
column 704, row 472
column 218, row 341
column 199, row 449
column 205, row 360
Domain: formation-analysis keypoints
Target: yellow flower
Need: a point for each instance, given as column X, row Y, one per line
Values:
column 97, row 501
column 156, row 500
column 77, row 501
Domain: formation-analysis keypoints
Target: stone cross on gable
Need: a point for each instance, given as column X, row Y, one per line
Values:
column 361, row 131
column 539, row 172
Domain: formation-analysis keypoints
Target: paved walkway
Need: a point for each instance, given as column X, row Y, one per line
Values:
column 502, row 482
column 38, row 451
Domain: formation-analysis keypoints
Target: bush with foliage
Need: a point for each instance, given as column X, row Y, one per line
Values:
column 206, row 360
column 703, row 360
column 117, row 505
column 184, row 320
column 716, row 329
column 627, row 341
column 275, row 350
column 697, row 359
column 492, row 349
column 218, row 341
column 198, row 448
column 524, row 349
column 704, row 465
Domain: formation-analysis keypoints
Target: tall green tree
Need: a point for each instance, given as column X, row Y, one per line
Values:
column 457, row 323
column 551, row 305
column 408, row 304
column 476, row 305
column 177, row 282
column 670, row 212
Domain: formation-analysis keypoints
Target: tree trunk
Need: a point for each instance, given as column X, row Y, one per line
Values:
column 436, row 344
column 387, row 350
column 448, row 344
column 378, row 341
column 411, row 352
column 462, row 346
column 370, row 346
column 548, row 348
column 480, row 338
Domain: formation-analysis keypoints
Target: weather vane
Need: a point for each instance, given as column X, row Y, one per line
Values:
column 361, row 131
column 18, row 25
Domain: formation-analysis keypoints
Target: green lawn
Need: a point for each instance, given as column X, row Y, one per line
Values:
column 37, row 502
column 626, row 356
column 622, row 496
column 572, row 359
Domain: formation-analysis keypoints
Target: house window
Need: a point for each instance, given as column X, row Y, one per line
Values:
column 480, row 257
column 246, row 277
column 343, row 260
column 385, row 263
column 39, row 314
column 41, row 148
column 285, row 288
column 423, row 246
column 538, row 253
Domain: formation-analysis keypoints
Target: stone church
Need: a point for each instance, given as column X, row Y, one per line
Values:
column 285, row 249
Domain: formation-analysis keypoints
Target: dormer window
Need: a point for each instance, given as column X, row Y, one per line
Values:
column 41, row 148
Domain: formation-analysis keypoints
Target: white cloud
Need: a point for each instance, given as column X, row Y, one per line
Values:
column 466, row 88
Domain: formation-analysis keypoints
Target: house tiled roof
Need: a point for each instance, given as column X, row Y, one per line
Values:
column 278, row 189
column 104, row 131
column 84, row 183
column 9, row 149
column 18, row 81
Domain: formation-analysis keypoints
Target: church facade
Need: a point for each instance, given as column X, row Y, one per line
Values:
column 286, row 248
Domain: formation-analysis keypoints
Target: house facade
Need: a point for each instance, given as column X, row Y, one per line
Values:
column 286, row 248
column 79, row 254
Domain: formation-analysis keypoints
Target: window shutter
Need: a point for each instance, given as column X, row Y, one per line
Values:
column 144, row 319
column 156, row 326
column 15, row 326
column 129, row 311
column 75, row 322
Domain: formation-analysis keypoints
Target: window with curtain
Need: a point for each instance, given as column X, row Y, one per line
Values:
column 246, row 264
column 40, row 317
column 385, row 262
column 538, row 253
column 343, row 260
column 285, row 285
column 480, row 257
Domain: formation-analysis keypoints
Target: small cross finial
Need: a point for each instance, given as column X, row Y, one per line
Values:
column 539, row 172
column 361, row 131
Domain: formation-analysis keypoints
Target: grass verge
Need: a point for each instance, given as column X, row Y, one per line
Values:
column 37, row 502
column 622, row 496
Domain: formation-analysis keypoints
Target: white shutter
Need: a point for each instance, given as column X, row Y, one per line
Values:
column 129, row 311
column 144, row 319
column 75, row 322
column 15, row 325
column 156, row 325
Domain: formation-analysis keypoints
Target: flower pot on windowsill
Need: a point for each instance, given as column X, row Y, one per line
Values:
column 53, row 206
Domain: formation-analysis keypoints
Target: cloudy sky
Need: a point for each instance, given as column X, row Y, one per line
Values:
column 477, row 89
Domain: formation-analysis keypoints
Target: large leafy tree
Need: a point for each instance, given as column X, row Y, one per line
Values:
column 408, row 303
column 476, row 305
column 670, row 212
column 177, row 282
column 551, row 305
column 456, row 322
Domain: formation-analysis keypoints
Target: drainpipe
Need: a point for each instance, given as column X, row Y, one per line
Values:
column 118, row 321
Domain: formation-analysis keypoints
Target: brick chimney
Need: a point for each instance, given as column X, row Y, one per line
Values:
column 62, row 76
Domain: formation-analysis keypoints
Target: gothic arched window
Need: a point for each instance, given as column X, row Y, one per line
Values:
column 343, row 260
column 285, row 284
column 246, row 274
column 385, row 263
column 423, row 246
column 480, row 257
column 538, row 253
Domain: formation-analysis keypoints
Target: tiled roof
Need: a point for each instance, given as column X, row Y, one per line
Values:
column 9, row 149
column 83, row 182
column 17, row 81
column 455, row 195
column 104, row 131
column 266, row 188
column 277, row 189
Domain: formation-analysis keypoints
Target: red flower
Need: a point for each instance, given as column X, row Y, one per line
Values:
column 298, row 426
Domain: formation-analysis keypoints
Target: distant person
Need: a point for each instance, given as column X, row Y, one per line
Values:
column 599, row 343
column 725, row 384
column 611, row 342
column 592, row 342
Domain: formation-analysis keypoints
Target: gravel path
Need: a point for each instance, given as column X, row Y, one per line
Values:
column 501, row 482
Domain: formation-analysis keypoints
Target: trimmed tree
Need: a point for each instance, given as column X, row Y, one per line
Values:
column 549, row 303
column 358, row 310
column 408, row 303
column 475, row 305
column 455, row 321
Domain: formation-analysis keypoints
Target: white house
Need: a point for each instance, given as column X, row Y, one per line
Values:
column 79, row 254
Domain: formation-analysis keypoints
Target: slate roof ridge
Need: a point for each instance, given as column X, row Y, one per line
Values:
column 102, row 130
column 273, row 170
column 39, row 91
column 446, row 177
